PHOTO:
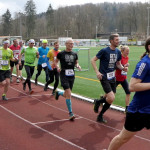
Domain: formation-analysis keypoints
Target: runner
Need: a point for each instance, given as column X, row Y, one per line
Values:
column 21, row 43
column 43, row 50
column 109, row 58
column 52, row 54
column 16, row 50
column 121, row 76
column 6, row 55
column 30, row 53
column 68, row 60
column 138, row 113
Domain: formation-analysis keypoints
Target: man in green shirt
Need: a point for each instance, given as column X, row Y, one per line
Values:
column 6, row 55
column 30, row 54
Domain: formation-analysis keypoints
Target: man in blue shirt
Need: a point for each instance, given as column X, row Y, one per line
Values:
column 109, row 58
column 42, row 62
column 138, row 112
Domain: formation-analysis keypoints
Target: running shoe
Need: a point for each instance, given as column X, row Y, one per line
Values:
column 45, row 87
column 71, row 116
column 31, row 91
column 56, row 95
column 100, row 119
column 17, row 80
column 24, row 86
column 4, row 98
column 96, row 105
column 53, row 92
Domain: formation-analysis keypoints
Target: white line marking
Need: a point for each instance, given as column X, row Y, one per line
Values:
column 64, row 140
column 56, row 121
column 27, row 96
column 85, row 118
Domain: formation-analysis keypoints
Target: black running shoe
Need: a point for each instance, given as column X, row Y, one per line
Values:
column 24, row 86
column 56, row 95
column 4, row 98
column 45, row 87
column 96, row 105
column 101, row 119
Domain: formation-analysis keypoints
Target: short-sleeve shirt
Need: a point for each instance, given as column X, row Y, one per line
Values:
column 30, row 55
column 141, row 100
column 52, row 54
column 67, row 60
column 5, row 56
column 16, row 50
column 108, row 59
column 42, row 51
column 120, row 74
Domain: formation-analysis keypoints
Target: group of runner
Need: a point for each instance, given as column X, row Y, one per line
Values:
column 111, row 59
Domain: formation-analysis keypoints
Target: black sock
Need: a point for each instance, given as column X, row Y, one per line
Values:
column 102, row 100
column 126, row 108
column 105, row 107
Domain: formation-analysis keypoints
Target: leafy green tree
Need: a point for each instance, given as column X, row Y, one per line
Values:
column 7, row 26
column 30, row 11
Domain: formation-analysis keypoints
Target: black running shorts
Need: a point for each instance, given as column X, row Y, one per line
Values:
column 4, row 74
column 66, row 82
column 108, row 85
column 137, row 121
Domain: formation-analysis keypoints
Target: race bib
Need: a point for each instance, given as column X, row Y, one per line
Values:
column 4, row 62
column 123, row 73
column 44, row 65
column 69, row 72
column 110, row 75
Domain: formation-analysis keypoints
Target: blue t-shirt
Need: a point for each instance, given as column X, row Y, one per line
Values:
column 141, row 100
column 108, row 59
column 42, row 51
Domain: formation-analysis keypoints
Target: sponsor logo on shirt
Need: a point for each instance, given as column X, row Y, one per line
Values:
column 141, row 68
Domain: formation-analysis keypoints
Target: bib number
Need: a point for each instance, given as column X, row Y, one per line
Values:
column 4, row 62
column 69, row 72
column 44, row 65
column 110, row 75
column 123, row 73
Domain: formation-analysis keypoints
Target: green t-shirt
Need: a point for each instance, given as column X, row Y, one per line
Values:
column 29, row 55
column 5, row 56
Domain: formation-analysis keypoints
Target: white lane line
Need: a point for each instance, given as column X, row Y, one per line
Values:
column 28, row 96
column 142, row 138
column 56, row 121
column 58, row 137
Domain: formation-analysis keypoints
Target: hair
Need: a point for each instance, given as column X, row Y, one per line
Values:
column 123, row 47
column 14, row 40
column 147, row 43
column 69, row 39
column 112, row 36
column 56, row 42
column 5, row 39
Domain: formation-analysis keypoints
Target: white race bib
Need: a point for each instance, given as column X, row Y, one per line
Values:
column 4, row 62
column 110, row 75
column 69, row 72
column 44, row 65
column 123, row 73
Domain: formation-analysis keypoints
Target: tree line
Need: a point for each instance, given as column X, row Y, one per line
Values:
column 78, row 22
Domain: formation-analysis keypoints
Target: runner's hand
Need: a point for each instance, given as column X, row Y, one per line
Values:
column 99, row 76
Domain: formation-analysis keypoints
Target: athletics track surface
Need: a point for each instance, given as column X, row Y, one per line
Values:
column 39, row 122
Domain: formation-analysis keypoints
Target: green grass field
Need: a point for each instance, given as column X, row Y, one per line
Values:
column 86, row 83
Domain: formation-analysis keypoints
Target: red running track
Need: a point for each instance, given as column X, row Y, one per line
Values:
column 39, row 122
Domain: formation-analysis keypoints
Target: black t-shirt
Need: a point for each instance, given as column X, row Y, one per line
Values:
column 67, row 60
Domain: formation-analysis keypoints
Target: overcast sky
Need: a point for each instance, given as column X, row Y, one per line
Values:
column 42, row 5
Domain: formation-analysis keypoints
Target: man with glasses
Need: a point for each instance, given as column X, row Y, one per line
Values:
column 30, row 53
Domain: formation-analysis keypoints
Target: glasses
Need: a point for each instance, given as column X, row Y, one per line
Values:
column 31, row 43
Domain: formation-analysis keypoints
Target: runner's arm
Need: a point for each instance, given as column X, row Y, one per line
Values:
column 121, row 67
column 78, row 66
column 93, row 62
